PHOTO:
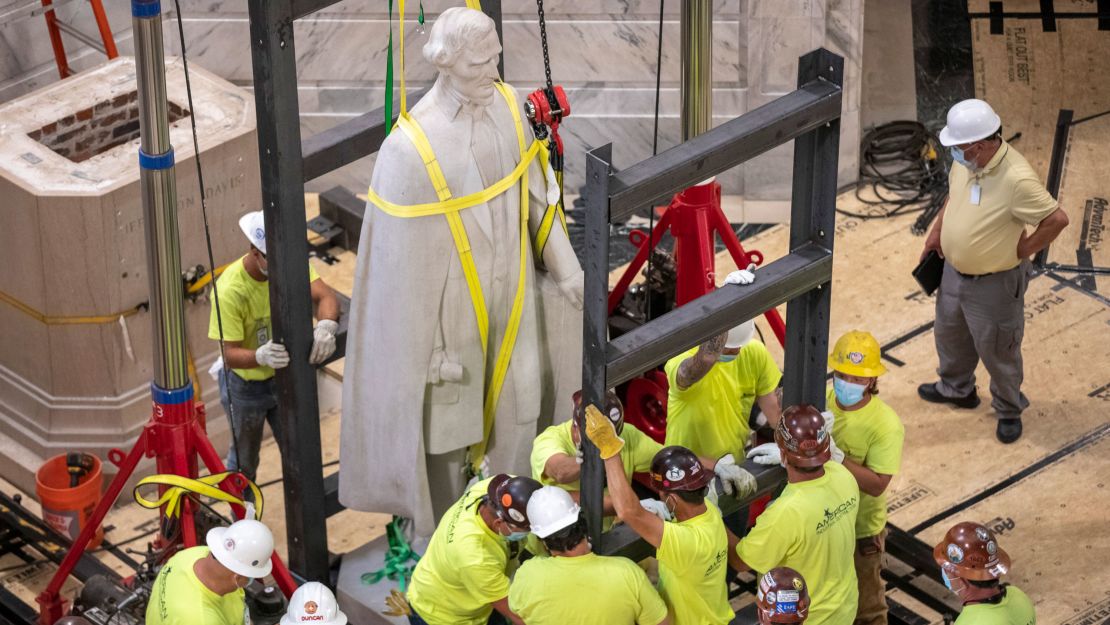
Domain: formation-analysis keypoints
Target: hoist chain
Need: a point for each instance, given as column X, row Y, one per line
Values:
column 543, row 42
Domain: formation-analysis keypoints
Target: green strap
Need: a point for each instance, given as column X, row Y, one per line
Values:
column 396, row 558
column 389, row 76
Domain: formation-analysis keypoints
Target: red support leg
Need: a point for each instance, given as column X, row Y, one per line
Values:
column 105, row 29
column 646, row 246
column 56, row 39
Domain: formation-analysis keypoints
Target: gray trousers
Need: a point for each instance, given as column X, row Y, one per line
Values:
column 252, row 404
column 982, row 318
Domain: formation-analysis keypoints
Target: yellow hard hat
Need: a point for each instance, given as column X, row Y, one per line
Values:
column 857, row 353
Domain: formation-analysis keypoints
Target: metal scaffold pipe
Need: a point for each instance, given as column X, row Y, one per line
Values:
column 697, row 67
column 159, row 194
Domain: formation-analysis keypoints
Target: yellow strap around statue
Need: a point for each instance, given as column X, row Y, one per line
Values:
column 179, row 486
column 543, row 233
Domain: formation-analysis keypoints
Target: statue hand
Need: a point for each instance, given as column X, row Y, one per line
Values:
column 572, row 287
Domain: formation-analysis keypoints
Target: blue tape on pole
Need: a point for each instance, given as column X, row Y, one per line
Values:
column 146, row 8
column 157, row 161
column 171, row 397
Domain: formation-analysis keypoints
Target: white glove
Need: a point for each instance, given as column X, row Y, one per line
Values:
column 572, row 288
column 767, row 453
column 216, row 368
column 742, row 276
column 830, row 419
column 323, row 341
column 656, row 507
column 734, row 480
column 272, row 355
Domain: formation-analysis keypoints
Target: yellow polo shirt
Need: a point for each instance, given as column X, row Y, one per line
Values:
column 465, row 568
column 585, row 590
column 693, row 558
column 711, row 417
column 1015, row 609
column 639, row 449
column 180, row 598
column 245, row 310
column 872, row 436
column 811, row 528
column 983, row 238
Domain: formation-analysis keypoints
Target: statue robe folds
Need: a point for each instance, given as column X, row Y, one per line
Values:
column 415, row 376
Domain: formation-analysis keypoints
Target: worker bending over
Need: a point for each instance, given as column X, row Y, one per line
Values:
column 557, row 456
column 711, row 391
column 247, row 391
column 782, row 597
column 693, row 549
column 313, row 603
column 811, row 526
column 463, row 577
column 971, row 563
column 575, row 585
column 204, row 585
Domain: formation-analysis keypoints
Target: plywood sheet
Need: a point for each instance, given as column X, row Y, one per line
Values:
column 1085, row 196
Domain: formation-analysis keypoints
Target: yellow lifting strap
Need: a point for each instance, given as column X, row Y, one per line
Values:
column 205, row 486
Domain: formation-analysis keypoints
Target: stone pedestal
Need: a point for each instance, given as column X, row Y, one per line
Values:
column 72, row 245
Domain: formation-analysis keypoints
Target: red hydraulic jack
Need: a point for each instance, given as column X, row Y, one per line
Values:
column 174, row 436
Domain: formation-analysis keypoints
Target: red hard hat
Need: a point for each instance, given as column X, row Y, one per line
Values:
column 782, row 597
column 676, row 468
column 614, row 409
column 803, row 436
column 509, row 497
column 971, row 551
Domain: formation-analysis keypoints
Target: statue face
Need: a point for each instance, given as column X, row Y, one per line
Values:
column 474, row 71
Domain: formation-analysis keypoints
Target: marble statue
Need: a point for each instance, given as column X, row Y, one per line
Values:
column 415, row 374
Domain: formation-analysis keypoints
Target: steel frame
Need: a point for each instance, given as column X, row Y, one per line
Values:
column 811, row 117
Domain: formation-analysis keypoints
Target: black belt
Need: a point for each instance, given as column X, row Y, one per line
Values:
column 976, row 276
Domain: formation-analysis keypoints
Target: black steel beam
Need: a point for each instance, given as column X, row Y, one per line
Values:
column 304, row 8
column 279, row 150
column 1056, row 166
column 595, row 325
column 492, row 8
column 815, row 103
column 40, row 537
column 347, row 211
column 649, row 345
column 331, row 495
column 812, row 222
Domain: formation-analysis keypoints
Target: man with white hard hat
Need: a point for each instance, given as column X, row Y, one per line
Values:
column 247, row 390
column 204, row 585
column 712, row 389
column 313, row 603
column 993, row 194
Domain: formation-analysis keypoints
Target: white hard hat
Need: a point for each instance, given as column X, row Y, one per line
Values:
column 740, row 335
column 551, row 509
column 254, row 226
column 970, row 120
column 244, row 547
column 313, row 603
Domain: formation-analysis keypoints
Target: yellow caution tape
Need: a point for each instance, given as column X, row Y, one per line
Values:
column 205, row 486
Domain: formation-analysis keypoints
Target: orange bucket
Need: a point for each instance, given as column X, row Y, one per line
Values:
column 67, row 509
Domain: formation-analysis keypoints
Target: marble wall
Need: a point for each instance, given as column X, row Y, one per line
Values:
column 603, row 51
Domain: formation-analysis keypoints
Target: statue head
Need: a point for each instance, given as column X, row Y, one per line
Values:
column 463, row 46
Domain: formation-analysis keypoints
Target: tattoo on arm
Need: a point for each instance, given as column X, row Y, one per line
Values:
column 695, row 367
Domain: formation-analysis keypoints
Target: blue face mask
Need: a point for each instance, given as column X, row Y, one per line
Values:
column 516, row 536
column 944, row 578
column 726, row 357
column 958, row 156
column 848, row 393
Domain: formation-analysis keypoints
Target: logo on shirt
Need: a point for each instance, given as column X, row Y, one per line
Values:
column 717, row 562
column 833, row 516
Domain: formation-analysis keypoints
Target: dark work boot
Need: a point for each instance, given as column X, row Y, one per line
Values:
column 1009, row 429
column 929, row 393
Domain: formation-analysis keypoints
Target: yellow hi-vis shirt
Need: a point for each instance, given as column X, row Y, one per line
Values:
column 872, row 436
column 979, row 238
column 180, row 598
column 811, row 529
column 711, row 417
column 245, row 311
column 585, row 590
column 465, row 568
column 1015, row 608
column 693, row 558
column 639, row 449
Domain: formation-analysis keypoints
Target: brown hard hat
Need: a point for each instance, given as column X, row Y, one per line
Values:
column 614, row 409
column 676, row 468
column 782, row 597
column 509, row 497
column 971, row 550
column 803, row 436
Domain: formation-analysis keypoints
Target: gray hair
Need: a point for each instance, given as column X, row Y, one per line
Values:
column 452, row 31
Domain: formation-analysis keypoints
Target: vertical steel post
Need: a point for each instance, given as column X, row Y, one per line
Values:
column 595, row 336
column 492, row 8
column 697, row 67
column 159, row 194
column 281, row 167
column 812, row 219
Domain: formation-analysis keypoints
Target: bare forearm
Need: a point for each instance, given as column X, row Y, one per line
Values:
column 620, row 491
column 502, row 606
column 734, row 560
column 562, row 468
column 694, row 368
column 236, row 357
column 771, row 405
column 327, row 304
column 1046, row 233
column 871, row 483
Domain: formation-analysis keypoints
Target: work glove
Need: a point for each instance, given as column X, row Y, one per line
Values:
column 830, row 419
column 767, row 453
column 323, row 341
column 216, row 368
column 656, row 507
column 735, row 480
column 571, row 288
column 601, row 432
column 272, row 355
column 742, row 276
